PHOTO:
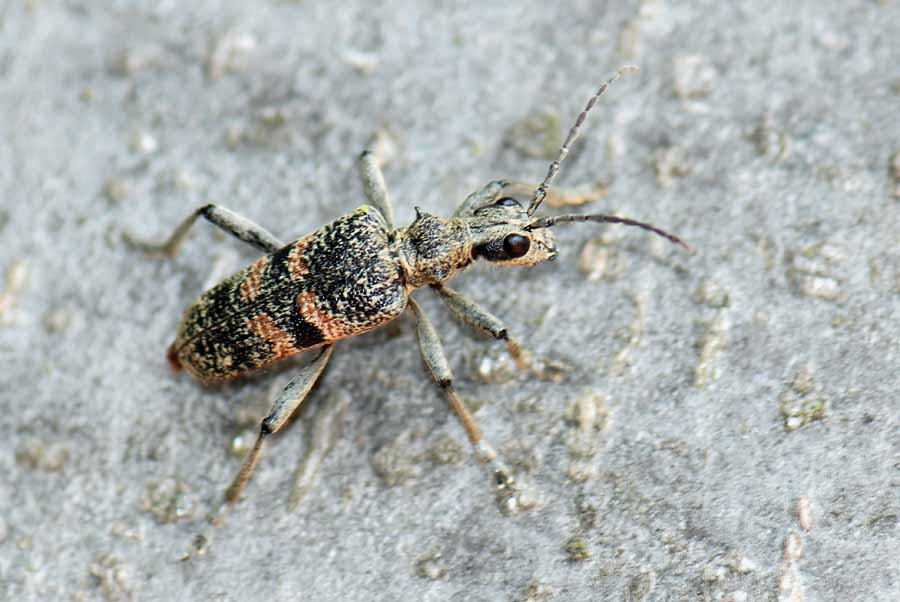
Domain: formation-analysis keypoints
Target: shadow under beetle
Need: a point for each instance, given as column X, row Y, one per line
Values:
column 357, row 274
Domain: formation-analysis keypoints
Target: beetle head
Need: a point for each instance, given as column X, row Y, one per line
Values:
column 500, row 233
column 493, row 226
column 504, row 232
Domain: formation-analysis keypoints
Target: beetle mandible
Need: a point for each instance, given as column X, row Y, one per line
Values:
column 357, row 274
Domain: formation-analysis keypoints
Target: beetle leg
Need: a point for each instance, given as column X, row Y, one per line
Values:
column 484, row 195
column 436, row 360
column 283, row 408
column 558, row 196
column 374, row 187
column 478, row 318
column 229, row 221
column 555, row 197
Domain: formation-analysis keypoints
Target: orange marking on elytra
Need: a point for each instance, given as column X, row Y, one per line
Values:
column 265, row 328
column 251, row 286
column 295, row 263
column 332, row 328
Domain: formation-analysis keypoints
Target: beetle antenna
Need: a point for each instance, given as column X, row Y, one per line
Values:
column 541, row 191
column 547, row 222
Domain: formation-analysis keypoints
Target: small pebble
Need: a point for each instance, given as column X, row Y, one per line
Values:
column 804, row 513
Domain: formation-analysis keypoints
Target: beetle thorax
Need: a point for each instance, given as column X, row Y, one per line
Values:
column 432, row 249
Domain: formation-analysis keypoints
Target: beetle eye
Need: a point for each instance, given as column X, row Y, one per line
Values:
column 507, row 201
column 516, row 245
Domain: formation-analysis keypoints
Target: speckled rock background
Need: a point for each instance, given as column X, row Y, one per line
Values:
column 728, row 428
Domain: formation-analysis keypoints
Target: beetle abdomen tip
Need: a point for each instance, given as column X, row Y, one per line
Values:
column 172, row 356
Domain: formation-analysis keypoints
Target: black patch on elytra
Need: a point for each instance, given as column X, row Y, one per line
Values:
column 215, row 305
column 352, row 280
column 277, row 271
column 214, row 344
column 224, row 299
column 283, row 308
column 305, row 334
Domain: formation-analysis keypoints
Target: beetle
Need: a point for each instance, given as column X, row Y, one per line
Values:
column 357, row 274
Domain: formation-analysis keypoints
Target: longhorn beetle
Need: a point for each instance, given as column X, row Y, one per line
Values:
column 357, row 274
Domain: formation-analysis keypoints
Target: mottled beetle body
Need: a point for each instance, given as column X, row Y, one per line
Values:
column 356, row 274
column 346, row 278
column 339, row 281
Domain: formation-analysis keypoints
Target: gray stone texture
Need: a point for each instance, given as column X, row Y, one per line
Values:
column 728, row 430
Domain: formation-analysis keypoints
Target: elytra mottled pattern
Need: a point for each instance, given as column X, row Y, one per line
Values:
column 339, row 281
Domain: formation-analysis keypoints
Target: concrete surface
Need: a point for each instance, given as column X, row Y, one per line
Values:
column 729, row 426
